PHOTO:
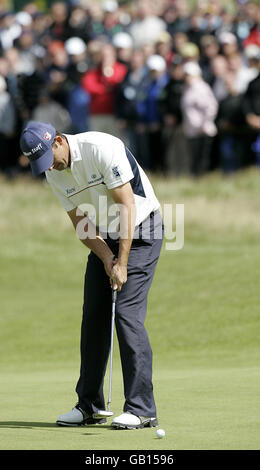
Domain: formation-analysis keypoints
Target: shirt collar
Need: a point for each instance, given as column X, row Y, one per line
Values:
column 75, row 154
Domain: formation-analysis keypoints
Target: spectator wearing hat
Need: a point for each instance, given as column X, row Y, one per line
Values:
column 123, row 44
column 78, row 99
column 111, row 21
column 151, row 111
column 10, row 30
column 199, row 109
column 228, row 43
column 101, row 83
column 164, row 47
column 130, row 95
column 190, row 52
column 176, row 149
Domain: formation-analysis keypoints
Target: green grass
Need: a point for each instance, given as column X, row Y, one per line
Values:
column 203, row 321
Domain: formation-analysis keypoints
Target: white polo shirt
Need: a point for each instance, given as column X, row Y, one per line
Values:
column 100, row 162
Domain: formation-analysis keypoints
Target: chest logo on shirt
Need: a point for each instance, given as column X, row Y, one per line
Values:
column 116, row 171
column 70, row 190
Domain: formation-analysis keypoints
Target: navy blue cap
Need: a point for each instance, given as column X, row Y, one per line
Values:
column 36, row 141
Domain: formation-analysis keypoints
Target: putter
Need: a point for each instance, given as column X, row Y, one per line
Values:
column 108, row 413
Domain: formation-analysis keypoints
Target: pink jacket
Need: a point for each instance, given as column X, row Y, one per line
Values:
column 199, row 109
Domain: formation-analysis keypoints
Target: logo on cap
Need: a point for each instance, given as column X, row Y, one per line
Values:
column 47, row 136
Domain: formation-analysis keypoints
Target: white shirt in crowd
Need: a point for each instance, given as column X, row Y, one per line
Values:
column 199, row 108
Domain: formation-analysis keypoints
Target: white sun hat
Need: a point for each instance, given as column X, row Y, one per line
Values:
column 122, row 40
column 75, row 46
column 23, row 18
column 109, row 5
column 156, row 62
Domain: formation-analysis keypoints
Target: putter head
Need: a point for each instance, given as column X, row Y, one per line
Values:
column 102, row 414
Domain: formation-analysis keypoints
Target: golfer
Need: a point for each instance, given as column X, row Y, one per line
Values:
column 113, row 208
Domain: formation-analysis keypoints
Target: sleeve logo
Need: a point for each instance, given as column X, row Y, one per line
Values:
column 116, row 171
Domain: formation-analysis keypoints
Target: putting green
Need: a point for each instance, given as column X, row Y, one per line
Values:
column 198, row 409
column 203, row 322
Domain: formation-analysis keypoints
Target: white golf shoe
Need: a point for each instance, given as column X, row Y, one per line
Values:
column 130, row 421
column 77, row 417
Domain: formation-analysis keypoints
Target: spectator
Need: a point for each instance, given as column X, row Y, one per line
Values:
column 96, row 15
column 176, row 151
column 7, row 125
column 59, row 29
column 147, row 27
column 129, row 102
column 79, row 23
column 251, row 110
column 164, row 47
column 9, row 30
column 111, row 21
column 179, row 39
column 101, row 82
column 27, row 56
column 57, row 71
column 199, row 109
column 77, row 98
column 234, row 140
column 70, row 49
column 209, row 50
column 152, row 117
column 174, row 22
column 49, row 110
column 219, row 67
column 195, row 31
column 228, row 43
column 123, row 44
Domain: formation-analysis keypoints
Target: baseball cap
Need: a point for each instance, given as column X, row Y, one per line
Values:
column 36, row 141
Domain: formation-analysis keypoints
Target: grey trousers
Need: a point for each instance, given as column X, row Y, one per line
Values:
column 134, row 345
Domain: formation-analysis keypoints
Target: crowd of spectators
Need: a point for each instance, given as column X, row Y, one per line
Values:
column 177, row 81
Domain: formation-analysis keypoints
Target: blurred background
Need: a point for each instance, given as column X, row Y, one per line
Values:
column 177, row 80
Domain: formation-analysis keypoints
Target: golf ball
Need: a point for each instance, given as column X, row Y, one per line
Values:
column 160, row 433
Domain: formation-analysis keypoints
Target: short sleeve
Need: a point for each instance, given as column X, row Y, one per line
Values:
column 113, row 164
column 65, row 202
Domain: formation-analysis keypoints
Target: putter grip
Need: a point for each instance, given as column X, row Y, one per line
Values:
column 114, row 295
